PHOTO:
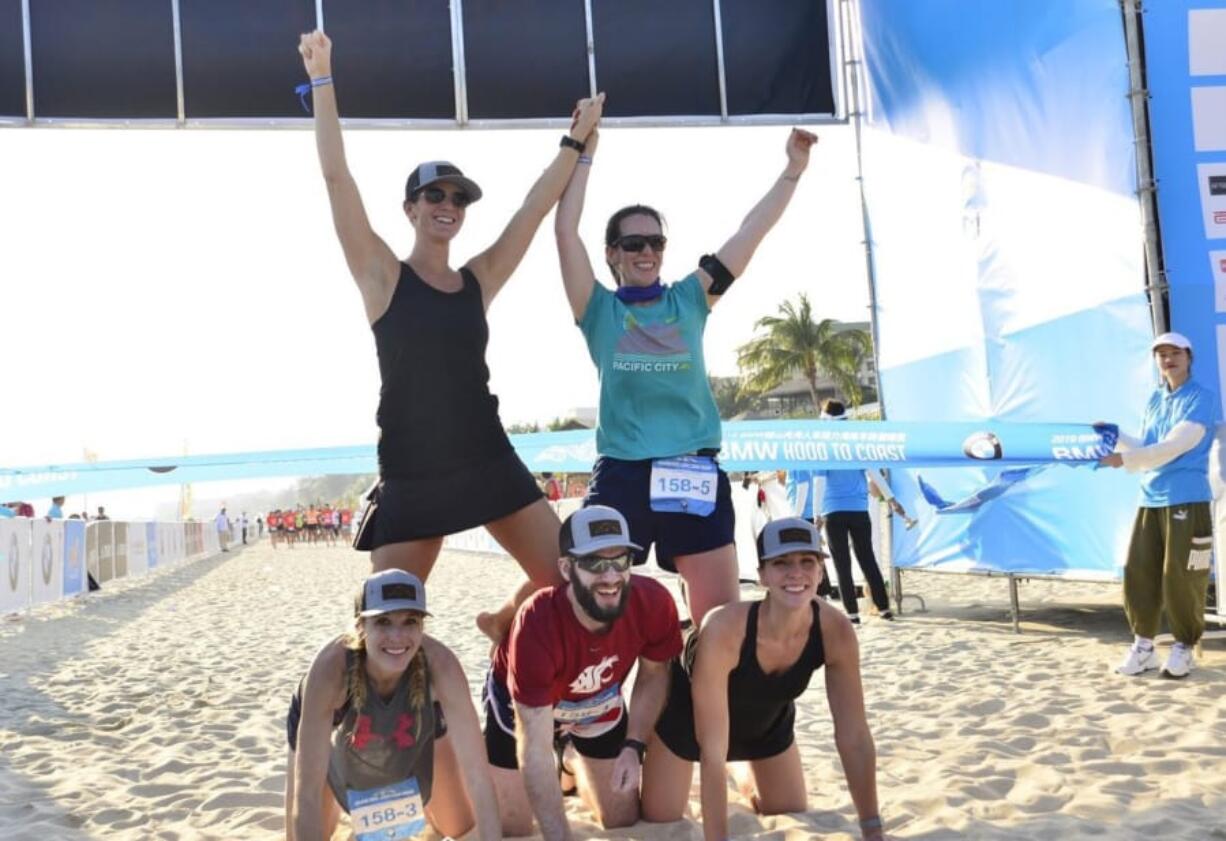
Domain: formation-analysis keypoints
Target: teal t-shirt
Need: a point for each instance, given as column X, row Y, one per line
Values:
column 655, row 400
column 1185, row 479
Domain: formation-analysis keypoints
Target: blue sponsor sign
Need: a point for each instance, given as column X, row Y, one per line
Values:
column 74, row 557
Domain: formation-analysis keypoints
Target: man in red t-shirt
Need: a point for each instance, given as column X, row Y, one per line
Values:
column 560, row 671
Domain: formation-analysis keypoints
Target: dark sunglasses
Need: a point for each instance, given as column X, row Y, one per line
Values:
column 436, row 195
column 634, row 243
column 597, row 564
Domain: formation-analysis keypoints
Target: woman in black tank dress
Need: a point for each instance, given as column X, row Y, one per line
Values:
column 733, row 695
column 445, row 463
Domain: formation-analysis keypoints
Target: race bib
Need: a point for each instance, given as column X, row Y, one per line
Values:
column 382, row 814
column 588, row 710
column 684, row 485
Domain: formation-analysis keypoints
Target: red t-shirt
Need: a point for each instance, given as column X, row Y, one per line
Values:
column 274, row 521
column 549, row 659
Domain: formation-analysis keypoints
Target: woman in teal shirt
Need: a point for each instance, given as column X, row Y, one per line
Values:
column 658, row 429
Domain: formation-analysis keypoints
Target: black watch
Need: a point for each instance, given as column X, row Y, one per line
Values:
column 639, row 747
column 577, row 145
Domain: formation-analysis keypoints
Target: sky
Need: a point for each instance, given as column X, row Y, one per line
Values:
column 169, row 288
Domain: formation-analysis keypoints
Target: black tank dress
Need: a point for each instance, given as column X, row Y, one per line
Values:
column 445, row 462
column 761, row 707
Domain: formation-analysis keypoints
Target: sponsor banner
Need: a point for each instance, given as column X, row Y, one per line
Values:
column 138, row 550
column 14, row 564
column 153, row 544
column 106, row 550
column 120, row 536
column 74, row 557
column 91, row 550
column 48, row 560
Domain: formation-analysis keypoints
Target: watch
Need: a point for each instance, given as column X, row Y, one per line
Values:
column 577, row 145
column 639, row 747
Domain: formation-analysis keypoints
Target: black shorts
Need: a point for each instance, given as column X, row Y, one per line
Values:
column 747, row 741
column 415, row 509
column 626, row 486
column 295, row 716
column 500, row 730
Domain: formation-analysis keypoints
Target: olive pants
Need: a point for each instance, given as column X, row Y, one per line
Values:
column 1168, row 567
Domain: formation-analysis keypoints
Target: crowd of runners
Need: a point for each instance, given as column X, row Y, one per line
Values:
column 310, row 524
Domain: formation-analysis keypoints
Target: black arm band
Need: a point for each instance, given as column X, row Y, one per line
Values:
column 721, row 278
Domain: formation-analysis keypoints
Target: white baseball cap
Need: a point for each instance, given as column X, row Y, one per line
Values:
column 1178, row 340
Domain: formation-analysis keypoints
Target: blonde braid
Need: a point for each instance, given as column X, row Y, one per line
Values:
column 355, row 676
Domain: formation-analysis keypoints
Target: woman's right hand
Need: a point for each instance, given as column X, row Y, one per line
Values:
column 586, row 117
column 316, row 51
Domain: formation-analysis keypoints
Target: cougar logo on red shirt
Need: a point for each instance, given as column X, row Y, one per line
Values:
column 593, row 677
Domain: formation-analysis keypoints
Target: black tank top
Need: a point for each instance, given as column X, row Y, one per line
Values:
column 436, row 412
column 754, row 695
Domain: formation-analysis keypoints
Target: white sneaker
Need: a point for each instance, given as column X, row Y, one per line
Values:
column 1138, row 660
column 1178, row 662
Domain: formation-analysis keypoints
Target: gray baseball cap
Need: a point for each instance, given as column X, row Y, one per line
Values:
column 594, row 528
column 392, row 589
column 432, row 172
column 791, row 534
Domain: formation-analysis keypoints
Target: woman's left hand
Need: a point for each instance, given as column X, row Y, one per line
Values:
column 799, row 144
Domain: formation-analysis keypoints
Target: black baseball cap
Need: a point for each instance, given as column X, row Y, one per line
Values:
column 434, row 172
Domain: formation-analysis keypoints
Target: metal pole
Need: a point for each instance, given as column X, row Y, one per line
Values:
column 591, row 49
column 719, row 60
column 178, row 25
column 319, row 15
column 853, row 65
column 1147, row 190
column 458, row 67
column 1014, row 608
column 27, row 45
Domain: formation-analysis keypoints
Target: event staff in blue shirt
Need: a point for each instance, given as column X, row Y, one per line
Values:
column 844, row 512
column 1172, row 537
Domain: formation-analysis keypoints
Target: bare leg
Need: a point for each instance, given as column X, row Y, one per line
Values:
column 779, row 783
column 450, row 811
column 415, row 556
column 612, row 809
column 711, row 579
column 530, row 535
column 666, row 783
column 513, row 802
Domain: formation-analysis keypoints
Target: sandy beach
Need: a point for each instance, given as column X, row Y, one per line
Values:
column 155, row 710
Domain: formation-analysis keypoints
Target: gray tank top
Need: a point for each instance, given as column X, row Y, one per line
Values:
column 382, row 743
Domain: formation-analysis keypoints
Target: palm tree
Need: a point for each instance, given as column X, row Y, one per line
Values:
column 793, row 341
column 730, row 397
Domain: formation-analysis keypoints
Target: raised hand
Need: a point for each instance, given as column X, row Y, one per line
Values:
column 798, row 146
column 586, row 116
column 316, row 51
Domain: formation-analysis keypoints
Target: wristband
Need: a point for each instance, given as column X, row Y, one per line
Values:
column 871, row 823
column 568, row 142
column 321, row 81
column 639, row 747
column 306, row 87
column 585, row 159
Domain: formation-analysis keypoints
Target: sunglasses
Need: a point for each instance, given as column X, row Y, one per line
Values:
column 597, row 564
column 436, row 195
column 634, row 243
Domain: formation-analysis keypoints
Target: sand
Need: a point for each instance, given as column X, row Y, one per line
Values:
column 155, row 710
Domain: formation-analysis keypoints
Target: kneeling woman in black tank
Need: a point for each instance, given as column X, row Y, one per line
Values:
column 445, row 462
column 733, row 695
column 376, row 726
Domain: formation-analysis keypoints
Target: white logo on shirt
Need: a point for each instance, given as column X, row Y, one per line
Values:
column 1181, row 514
column 593, row 677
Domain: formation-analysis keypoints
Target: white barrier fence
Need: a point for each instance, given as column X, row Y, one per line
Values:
column 44, row 561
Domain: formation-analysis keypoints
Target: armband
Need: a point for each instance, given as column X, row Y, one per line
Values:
column 721, row 278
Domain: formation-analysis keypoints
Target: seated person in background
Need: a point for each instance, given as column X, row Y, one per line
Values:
column 376, row 725
column 732, row 695
column 557, row 677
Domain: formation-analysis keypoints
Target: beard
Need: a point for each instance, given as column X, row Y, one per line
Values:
column 587, row 600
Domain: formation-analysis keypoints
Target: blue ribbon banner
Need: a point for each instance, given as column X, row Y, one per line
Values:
column 748, row 445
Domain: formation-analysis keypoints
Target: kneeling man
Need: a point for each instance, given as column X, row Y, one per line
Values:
column 558, row 674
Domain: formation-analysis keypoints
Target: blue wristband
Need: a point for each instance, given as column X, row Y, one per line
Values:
column 306, row 87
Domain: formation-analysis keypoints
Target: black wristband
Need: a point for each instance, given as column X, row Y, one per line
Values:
column 639, row 747
column 567, row 140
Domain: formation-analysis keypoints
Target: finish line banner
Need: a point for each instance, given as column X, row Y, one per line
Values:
column 748, row 445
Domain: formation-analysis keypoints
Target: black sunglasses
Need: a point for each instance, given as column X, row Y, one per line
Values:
column 436, row 195
column 597, row 564
column 634, row 243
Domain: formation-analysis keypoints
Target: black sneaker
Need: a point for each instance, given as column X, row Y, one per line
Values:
column 854, row 617
column 886, row 614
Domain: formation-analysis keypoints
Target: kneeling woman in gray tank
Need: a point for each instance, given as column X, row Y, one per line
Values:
column 733, row 691
column 375, row 727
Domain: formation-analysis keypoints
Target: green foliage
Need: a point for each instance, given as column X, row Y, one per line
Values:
column 794, row 342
